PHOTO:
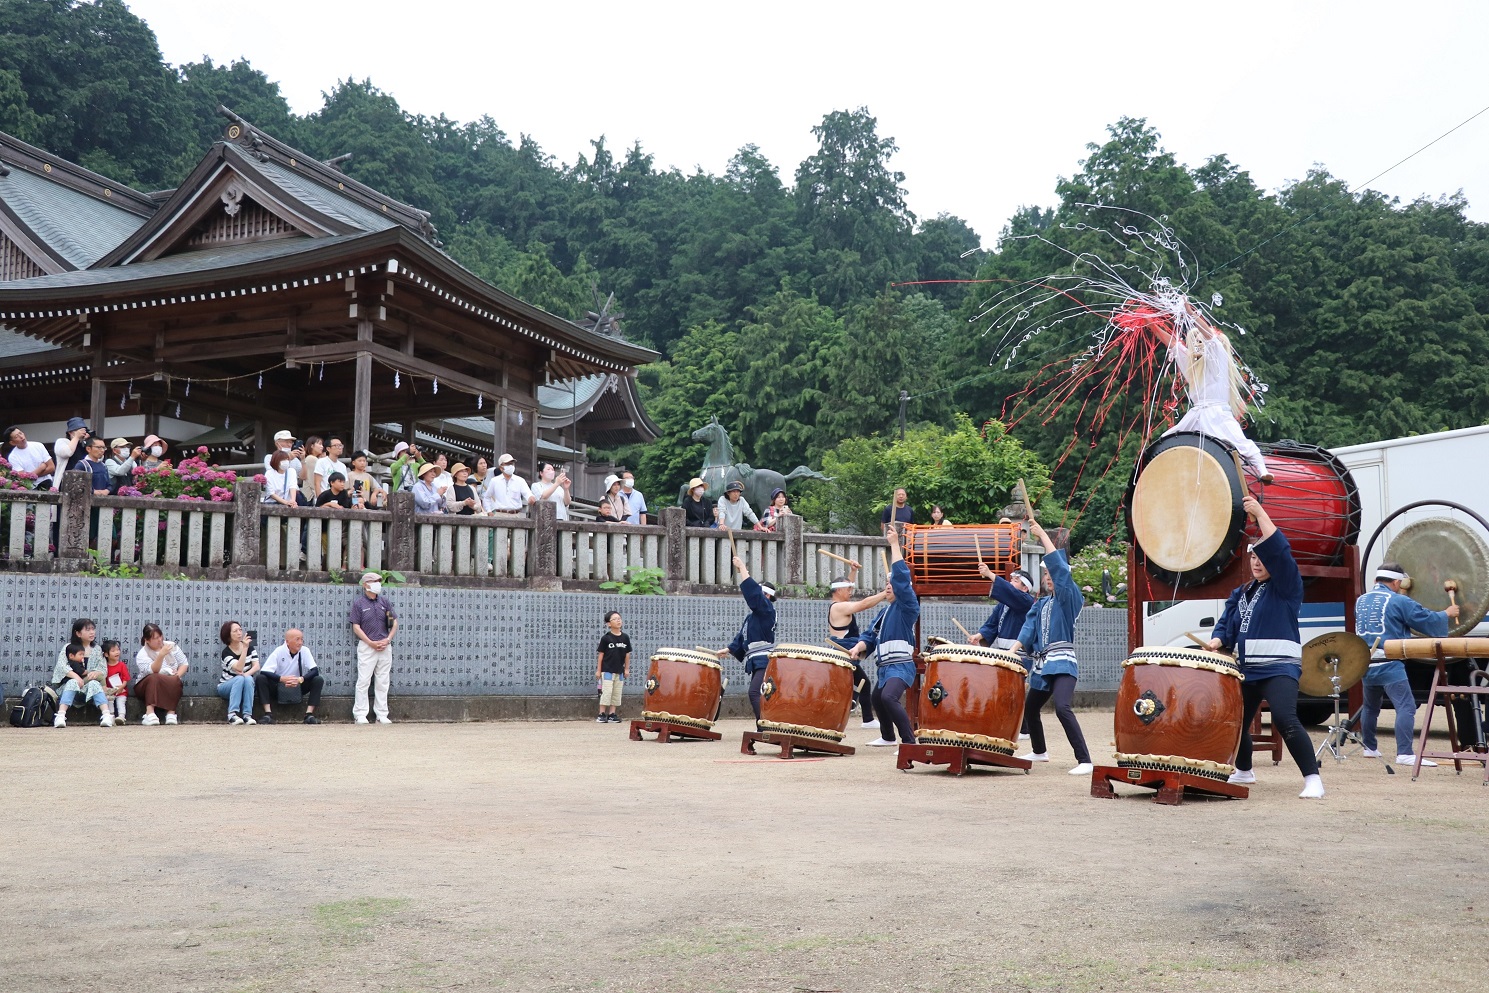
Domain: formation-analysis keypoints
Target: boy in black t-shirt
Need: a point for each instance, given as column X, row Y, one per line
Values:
column 612, row 666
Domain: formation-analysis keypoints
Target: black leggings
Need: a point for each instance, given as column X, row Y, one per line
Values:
column 1281, row 694
column 892, row 715
column 865, row 692
column 756, row 679
column 1062, row 691
column 266, row 687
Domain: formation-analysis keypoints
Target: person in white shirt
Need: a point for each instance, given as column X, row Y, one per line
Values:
column 507, row 492
column 29, row 456
column 284, row 442
column 329, row 463
column 281, row 484
column 635, row 501
column 443, row 481
column 291, row 665
column 159, row 666
column 555, row 487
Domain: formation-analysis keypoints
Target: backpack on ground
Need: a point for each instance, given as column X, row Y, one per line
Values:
column 37, row 707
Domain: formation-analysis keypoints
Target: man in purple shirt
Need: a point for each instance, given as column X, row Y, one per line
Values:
column 374, row 622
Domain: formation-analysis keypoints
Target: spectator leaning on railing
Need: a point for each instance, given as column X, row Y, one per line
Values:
column 121, row 463
column 507, row 492
column 635, row 499
column 29, row 456
column 427, row 499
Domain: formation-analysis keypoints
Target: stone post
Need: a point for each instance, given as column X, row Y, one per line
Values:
column 793, row 527
column 545, row 546
column 674, row 522
column 401, row 533
column 72, row 531
column 247, row 530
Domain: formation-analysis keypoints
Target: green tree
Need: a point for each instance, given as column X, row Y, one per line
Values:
column 785, row 353
column 700, row 381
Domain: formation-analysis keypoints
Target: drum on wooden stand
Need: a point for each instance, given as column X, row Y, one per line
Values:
column 683, row 690
column 973, row 696
column 805, row 699
column 1179, row 710
column 1185, row 515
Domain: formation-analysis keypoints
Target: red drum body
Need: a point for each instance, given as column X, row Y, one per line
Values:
column 1184, row 507
column 972, row 697
column 807, row 691
column 1179, row 710
column 683, row 687
column 943, row 560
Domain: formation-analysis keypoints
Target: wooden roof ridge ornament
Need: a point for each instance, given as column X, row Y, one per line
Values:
column 267, row 148
column 232, row 198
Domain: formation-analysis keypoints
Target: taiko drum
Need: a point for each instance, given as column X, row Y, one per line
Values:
column 973, row 697
column 807, row 691
column 943, row 560
column 1179, row 710
column 683, row 686
column 1185, row 515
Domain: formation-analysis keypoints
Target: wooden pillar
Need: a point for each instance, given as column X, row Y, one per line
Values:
column 499, row 429
column 98, row 405
column 362, row 401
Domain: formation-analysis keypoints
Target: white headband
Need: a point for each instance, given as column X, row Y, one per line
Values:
column 842, row 584
column 1389, row 574
column 767, row 590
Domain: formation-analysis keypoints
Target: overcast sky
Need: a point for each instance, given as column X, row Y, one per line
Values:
column 989, row 102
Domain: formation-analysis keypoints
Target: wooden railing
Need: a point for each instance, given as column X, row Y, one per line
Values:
column 246, row 538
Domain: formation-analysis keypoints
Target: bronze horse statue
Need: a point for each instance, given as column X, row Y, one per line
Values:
column 720, row 469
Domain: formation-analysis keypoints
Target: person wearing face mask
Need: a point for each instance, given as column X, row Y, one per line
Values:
column 635, row 500
column 698, row 507
column 374, row 622
column 120, row 463
column 507, row 493
column 554, row 486
column 154, row 452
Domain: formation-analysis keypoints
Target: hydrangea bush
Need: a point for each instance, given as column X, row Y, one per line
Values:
column 193, row 479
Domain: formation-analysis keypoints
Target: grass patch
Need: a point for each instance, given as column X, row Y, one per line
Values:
column 351, row 919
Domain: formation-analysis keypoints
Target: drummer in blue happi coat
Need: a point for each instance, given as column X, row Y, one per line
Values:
column 1261, row 623
column 891, row 637
column 1386, row 614
column 1013, row 598
column 1048, row 635
column 757, row 635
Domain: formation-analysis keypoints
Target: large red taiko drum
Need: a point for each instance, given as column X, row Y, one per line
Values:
column 683, row 687
column 943, row 560
column 1179, row 710
column 971, row 696
column 1184, row 506
column 807, row 691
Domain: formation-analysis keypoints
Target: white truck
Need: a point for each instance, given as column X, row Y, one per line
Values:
column 1449, row 465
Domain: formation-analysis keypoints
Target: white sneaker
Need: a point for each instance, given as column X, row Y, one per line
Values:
column 384, row 720
column 1371, row 753
column 869, row 724
column 1036, row 757
column 1023, row 737
column 359, row 720
column 1084, row 769
column 248, row 719
column 234, row 719
column 1241, row 777
column 170, row 718
column 107, row 721
column 1410, row 759
column 882, row 743
column 149, row 720
column 1313, row 787
column 60, row 721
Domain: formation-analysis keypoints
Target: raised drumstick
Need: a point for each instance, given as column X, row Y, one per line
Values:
column 977, row 543
column 884, row 560
column 962, row 629
column 836, row 558
column 1451, row 585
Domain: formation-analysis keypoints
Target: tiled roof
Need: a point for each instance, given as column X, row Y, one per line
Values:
column 325, row 200
column 78, row 227
column 14, row 343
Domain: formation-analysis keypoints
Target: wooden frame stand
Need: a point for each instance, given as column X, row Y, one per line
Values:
column 957, row 758
column 1170, row 785
column 792, row 743
column 666, row 731
column 1440, row 685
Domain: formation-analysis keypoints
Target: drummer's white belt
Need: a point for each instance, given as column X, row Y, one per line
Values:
column 759, row 649
column 1006, row 644
column 1273, row 650
column 895, row 652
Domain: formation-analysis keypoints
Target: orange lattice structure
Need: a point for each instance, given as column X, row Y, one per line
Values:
column 943, row 560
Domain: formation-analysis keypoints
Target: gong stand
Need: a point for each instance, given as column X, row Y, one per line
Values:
column 1441, row 685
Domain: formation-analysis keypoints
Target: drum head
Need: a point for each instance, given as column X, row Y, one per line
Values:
column 1185, row 508
column 1441, row 548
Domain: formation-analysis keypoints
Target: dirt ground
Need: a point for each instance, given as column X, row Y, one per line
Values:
column 563, row 856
